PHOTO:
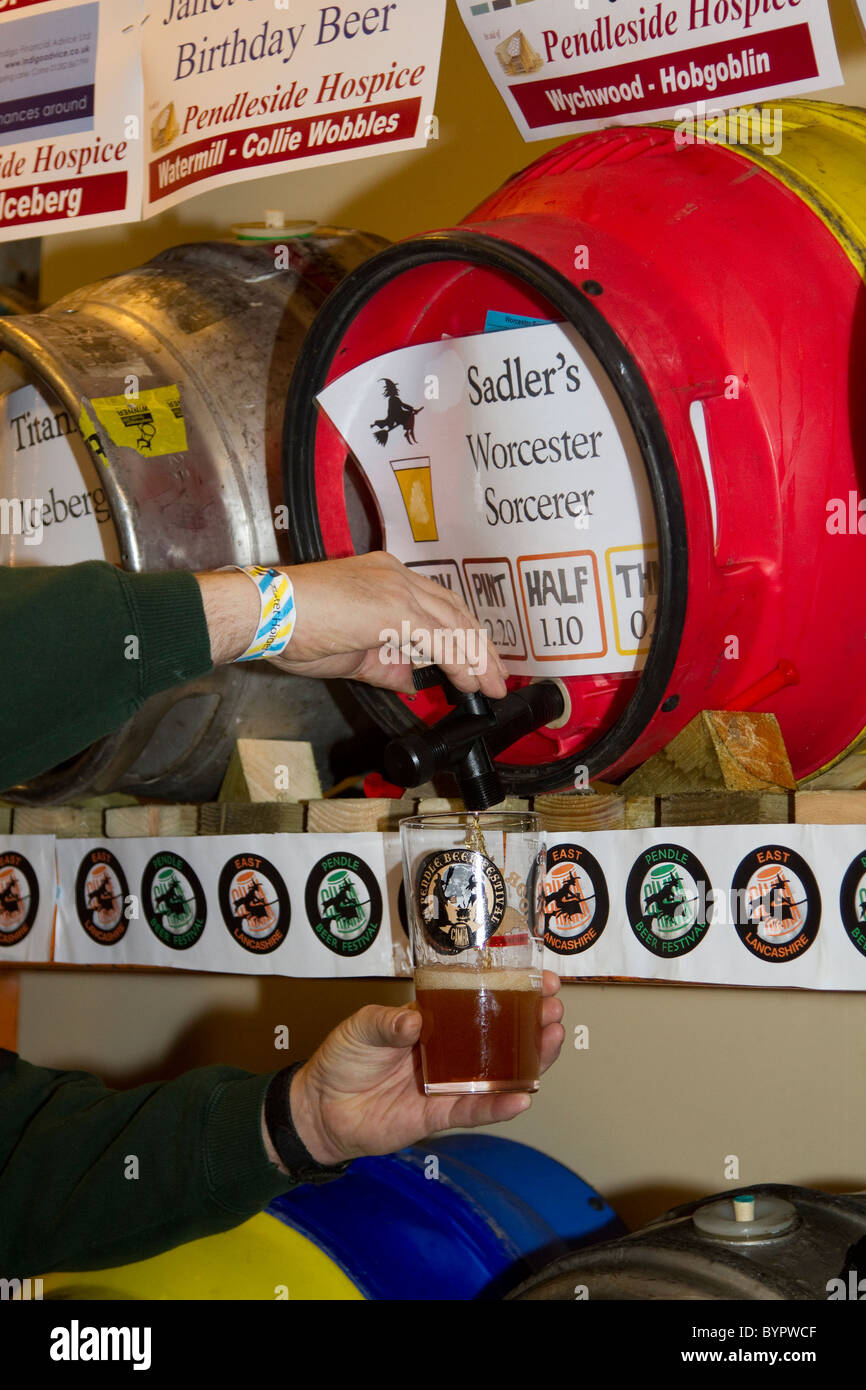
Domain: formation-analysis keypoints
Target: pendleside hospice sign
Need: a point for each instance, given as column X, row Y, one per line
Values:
column 235, row 89
column 506, row 469
column 70, row 115
column 563, row 66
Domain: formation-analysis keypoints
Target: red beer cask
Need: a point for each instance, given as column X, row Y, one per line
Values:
column 721, row 288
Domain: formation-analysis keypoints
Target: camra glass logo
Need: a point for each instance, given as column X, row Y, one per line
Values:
column 173, row 901
column 461, row 898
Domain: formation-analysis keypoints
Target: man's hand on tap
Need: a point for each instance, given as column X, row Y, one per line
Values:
column 350, row 621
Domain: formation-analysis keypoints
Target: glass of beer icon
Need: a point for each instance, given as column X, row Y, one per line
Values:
column 473, row 895
column 416, row 487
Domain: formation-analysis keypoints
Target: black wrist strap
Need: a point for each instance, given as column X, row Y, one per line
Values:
column 294, row 1155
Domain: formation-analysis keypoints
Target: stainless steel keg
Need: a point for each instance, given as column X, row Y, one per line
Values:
column 216, row 326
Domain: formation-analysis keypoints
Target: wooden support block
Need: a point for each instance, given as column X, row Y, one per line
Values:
column 250, row 818
column 718, row 750
column 270, row 769
column 725, row 808
column 641, row 812
column 5, row 820
column 581, row 811
column 139, row 822
column 66, row 822
column 349, row 814
column 830, row 808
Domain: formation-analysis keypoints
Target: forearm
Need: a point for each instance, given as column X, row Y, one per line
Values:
column 91, row 1177
column 84, row 646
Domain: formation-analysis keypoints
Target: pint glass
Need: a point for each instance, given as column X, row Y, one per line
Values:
column 472, row 893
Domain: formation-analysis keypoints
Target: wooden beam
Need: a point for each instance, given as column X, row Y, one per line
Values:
column 250, row 818
column 725, row 808
column 351, row 813
column 581, row 811
column 138, row 822
column 830, row 808
column 66, row 822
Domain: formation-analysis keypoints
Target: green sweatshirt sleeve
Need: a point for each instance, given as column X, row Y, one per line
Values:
column 91, row 1178
column 83, row 648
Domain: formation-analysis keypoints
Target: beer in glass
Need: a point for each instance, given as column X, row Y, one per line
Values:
column 472, row 892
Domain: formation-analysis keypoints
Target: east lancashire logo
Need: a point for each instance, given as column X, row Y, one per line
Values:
column 776, row 903
column 576, row 900
column 101, row 895
column 668, row 898
column 173, row 901
column 461, row 897
column 254, row 903
column 344, row 903
column 19, row 898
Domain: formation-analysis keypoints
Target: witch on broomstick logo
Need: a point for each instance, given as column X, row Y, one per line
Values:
column 399, row 416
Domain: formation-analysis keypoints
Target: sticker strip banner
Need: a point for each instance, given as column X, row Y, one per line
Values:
column 28, row 883
column 299, row 905
column 762, row 906
column 233, row 92
column 562, row 66
column 506, row 469
column 70, row 116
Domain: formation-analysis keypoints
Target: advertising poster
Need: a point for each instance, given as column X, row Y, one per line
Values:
column 563, row 66
column 70, row 116
column 253, row 87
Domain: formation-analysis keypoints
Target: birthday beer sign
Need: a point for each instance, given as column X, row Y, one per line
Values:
column 235, row 89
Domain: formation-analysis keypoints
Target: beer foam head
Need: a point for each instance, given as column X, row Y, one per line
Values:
column 462, row 977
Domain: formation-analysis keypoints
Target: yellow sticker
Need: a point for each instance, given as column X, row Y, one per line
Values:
column 151, row 422
column 89, row 434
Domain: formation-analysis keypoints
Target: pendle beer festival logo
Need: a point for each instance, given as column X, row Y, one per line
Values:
column 344, row 903
column 254, row 902
column 668, row 900
column 852, row 902
column 173, row 901
column 19, row 898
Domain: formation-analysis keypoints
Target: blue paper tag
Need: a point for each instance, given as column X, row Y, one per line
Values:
column 497, row 320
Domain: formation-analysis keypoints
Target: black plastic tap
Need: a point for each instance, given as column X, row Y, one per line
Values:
column 467, row 739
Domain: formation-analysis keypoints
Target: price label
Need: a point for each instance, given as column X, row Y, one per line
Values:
column 633, row 580
column 494, row 602
column 562, row 603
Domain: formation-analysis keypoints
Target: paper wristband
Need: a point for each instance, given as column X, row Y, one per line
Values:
column 277, row 620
